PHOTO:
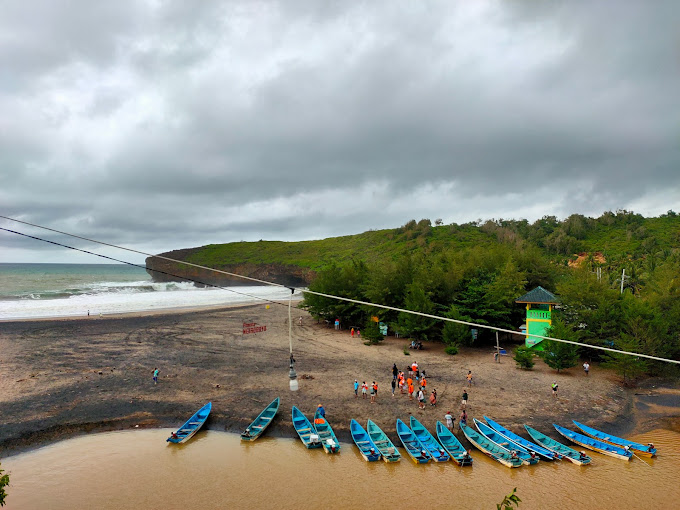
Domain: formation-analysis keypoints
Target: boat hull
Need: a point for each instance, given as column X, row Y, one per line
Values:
column 369, row 451
column 637, row 448
column 554, row 446
column 305, row 429
column 439, row 454
column 191, row 426
column 413, row 446
column 501, row 442
column 263, row 420
column 326, row 435
column 520, row 441
column 450, row 442
column 387, row 449
column 594, row 444
column 489, row 448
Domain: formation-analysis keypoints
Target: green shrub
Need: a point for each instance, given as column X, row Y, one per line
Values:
column 524, row 357
column 451, row 349
column 406, row 353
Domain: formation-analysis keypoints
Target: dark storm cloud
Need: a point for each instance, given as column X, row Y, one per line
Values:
column 168, row 124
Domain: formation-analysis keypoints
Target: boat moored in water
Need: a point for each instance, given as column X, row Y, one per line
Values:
column 259, row 424
column 549, row 443
column 326, row 435
column 485, row 445
column 638, row 448
column 413, row 446
column 191, row 426
column 450, row 442
column 512, row 448
column 387, row 449
column 594, row 444
column 305, row 430
column 369, row 451
column 439, row 454
column 520, row 441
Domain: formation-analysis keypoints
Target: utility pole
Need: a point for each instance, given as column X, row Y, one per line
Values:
column 498, row 349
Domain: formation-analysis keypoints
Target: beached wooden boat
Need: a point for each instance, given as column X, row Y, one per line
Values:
column 326, row 435
column 549, row 443
column 637, row 448
column 594, row 444
column 413, row 446
column 513, row 449
column 520, row 441
column 191, row 426
column 439, row 454
column 369, row 451
column 305, row 430
column 484, row 445
column 387, row 449
column 259, row 424
column 450, row 442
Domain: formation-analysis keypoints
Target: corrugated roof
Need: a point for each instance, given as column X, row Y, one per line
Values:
column 538, row 295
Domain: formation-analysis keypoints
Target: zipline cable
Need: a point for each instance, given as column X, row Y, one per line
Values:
column 330, row 296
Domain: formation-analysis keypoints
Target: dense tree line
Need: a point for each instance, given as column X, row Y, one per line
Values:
column 480, row 281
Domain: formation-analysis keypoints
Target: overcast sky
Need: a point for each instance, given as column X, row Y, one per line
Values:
column 162, row 125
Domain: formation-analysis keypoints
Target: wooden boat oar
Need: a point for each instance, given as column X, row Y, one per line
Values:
column 640, row 459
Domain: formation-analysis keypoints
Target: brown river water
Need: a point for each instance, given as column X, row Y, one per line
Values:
column 139, row 470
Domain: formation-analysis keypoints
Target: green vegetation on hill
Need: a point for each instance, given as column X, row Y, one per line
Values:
column 475, row 271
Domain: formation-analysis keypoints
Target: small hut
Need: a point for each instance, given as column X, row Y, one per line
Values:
column 540, row 303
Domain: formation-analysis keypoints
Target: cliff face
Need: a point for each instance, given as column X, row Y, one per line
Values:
column 162, row 270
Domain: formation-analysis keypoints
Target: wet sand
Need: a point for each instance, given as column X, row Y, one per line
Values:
column 68, row 376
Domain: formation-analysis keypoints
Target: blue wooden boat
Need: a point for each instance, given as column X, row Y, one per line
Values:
column 326, row 435
column 305, row 430
column 450, row 442
column 259, row 424
column 413, row 446
column 388, row 451
column 439, row 454
column 520, row 441
column 191, row 426
column 549, row 443
column 594, row 444
column 369, row 451
column 638, row 448
column 490, row 448
column 513, row 449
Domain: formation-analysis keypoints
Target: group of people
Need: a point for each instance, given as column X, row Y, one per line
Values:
column 407, row 380
column 364, row 390
column 451, row 421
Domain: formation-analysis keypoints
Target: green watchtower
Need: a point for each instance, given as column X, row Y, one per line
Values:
column 540, row 304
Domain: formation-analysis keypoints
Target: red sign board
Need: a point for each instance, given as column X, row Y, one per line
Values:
column 252, row 327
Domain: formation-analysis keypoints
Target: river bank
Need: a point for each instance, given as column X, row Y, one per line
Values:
column 68, row 376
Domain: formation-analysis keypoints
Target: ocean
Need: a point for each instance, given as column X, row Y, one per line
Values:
column 32, row 291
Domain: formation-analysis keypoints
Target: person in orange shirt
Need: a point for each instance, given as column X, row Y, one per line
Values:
column 410, row 390
column 409, row 382
column 423, row 382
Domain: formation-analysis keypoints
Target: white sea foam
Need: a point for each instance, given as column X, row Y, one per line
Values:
column 126, row 297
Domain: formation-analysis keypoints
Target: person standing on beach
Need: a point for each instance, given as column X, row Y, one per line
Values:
column 373, row 393
column 394, row 385
column 321, row 411
column 337, row 323
column 465, row 398
column 463, row 419
column 352, row 333
column 364, row 389
column 449, row 420
column 410, row 390
column 421, row 400
column 395, row 371
column 423, row 382
column 469, row 378
column 356, row 388
column 554, row 389
column 155, row 375
column 586, row 367
column 433, row 398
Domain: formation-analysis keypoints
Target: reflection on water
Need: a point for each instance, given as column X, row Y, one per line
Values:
column 138, row 470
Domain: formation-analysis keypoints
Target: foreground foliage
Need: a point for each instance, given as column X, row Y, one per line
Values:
column 508, row 501
column 4, row 482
